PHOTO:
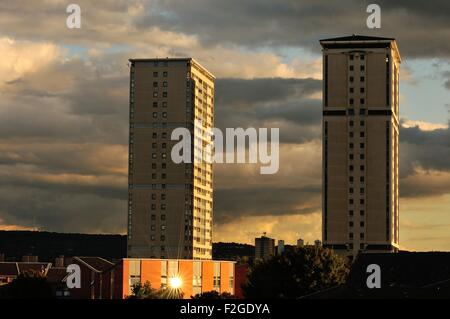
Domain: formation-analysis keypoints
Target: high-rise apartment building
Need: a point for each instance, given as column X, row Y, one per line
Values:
column 360, row 144
column 264, row 247
column 170, row 206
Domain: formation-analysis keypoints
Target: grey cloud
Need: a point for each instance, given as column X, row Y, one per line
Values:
column 270, row 102
column 301, row 23
column 265, row 200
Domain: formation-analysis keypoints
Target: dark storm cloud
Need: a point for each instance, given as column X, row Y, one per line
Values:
column 262, row 201
column 429, row 150
column 420, row 28
column 269, row 102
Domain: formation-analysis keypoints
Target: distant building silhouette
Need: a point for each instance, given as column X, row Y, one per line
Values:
column 264, row 247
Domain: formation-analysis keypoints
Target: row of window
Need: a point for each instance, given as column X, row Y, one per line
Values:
column 361, row 67
column 352, row 89
column 351, row 224
column 361, row 235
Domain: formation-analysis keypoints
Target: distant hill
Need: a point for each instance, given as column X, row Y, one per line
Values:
column 48, row 245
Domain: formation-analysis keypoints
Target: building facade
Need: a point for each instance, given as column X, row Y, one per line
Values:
column 170, row 207
column 360, row 144
column 191, row 276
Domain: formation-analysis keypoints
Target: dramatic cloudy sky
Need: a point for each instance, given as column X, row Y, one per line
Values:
column 63, row 108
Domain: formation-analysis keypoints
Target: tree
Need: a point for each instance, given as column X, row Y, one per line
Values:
column 145, row 291
column 29, row 285
column 213, row 295
column 296, row 273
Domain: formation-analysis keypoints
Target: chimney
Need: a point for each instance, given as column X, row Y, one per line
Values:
column 59, row 261
column 30, row 259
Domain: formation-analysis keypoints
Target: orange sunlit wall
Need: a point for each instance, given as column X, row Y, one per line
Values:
column 150, row 270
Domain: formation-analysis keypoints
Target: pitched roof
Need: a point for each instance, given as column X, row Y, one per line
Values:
column 97, row 264
column 8, row 269
column 56, row 274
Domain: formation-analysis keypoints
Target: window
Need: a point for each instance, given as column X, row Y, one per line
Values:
column 155, row 94
column 351, row 145
column 163, row 206
column 163, row 165
column 362, row 79
column 164, row 155
column 154, row 145
column 361, row 90
column 361, row 123
column 350, row 224
column 164, row 145
column 155, row 114
column 153, row 155
column 361, row 167
column 350, row 201
column 164, row 135
column 350, row 190
column 153, row 227
column 350, row 167
column 163, row 238
column 154, row 196
column 154, row 135
column 216, row 276
column 351, row 79
column 152, row 237
column 155, row 104
column 351, row 179
column 361, row 224
column 361, row 145
column 163, row 217
column 361, row 212
column 351, row 56
column 163, row 227
column 165, row 74
column 153, row 165
column 351, row 134
column 164, row 114
column 163, row 176
column 153, row 217
column 350, row 156
column 361, row 179
column 361, row 201
column 351, row 123
column 361, row 190
column 350, row 212
column 164, row 104
column 155, row 74
column 153, row 207
column 351, row 67
column 361, row 235
column 165, row 84
column 164, row 94
column 350, row 235
column 351, row 101
column 351, row 89
column 163, row 196
column 351, row 112
column 155, row 84
column 362, row 56
column 362, row 101
column 361, row 67
column 361, row 134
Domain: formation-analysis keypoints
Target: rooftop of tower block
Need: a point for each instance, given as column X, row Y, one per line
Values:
column 356, row 41
column 192, row 60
